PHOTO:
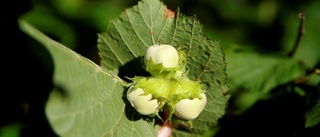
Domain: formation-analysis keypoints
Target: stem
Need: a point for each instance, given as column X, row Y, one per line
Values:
column 301, row 32
column 166, row 128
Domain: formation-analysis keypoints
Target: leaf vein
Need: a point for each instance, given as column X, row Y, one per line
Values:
column 112, row 50
column 175, row 28
column 161, row 33
column 86, row 109
column 191, row 38
column 134, row 29
column 151, row 23
column 123, row 39
column 115, row 123
column 204, row 67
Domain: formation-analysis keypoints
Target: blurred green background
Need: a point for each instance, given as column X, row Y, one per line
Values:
column 269, row 26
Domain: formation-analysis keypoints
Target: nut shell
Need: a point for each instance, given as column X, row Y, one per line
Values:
column 188, row 109
column 144, row 104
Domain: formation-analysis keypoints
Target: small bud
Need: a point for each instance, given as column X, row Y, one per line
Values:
column 190, row 109
column 166, row 55
column 144, row 104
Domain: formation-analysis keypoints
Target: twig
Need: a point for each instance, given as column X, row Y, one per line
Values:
column 166, row 129
column 301, row 32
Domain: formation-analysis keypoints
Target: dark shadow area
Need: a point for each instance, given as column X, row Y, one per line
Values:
column 266, row 36
column 181, row 125
column 26, row 81
column 133, row 68
column 130, row 112
column 40, row 85
column 280, row 116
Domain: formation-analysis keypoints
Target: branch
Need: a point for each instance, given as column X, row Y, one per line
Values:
column 301, row 32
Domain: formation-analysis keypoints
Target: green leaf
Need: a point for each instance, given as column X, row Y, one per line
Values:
column 312, row 116
column 151, row 22
column 87, row 100
column 11, row 130
column 313, row 112
column 257, row 73
column 252, row 70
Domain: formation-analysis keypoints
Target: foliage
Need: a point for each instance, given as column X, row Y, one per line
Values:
column 271, row 93
column 84, row 90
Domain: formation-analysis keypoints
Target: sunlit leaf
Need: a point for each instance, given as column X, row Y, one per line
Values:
column 87, row 100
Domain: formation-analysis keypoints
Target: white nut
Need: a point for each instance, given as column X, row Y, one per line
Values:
column 165, row 54
column 142, row 103
column 190, row 109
